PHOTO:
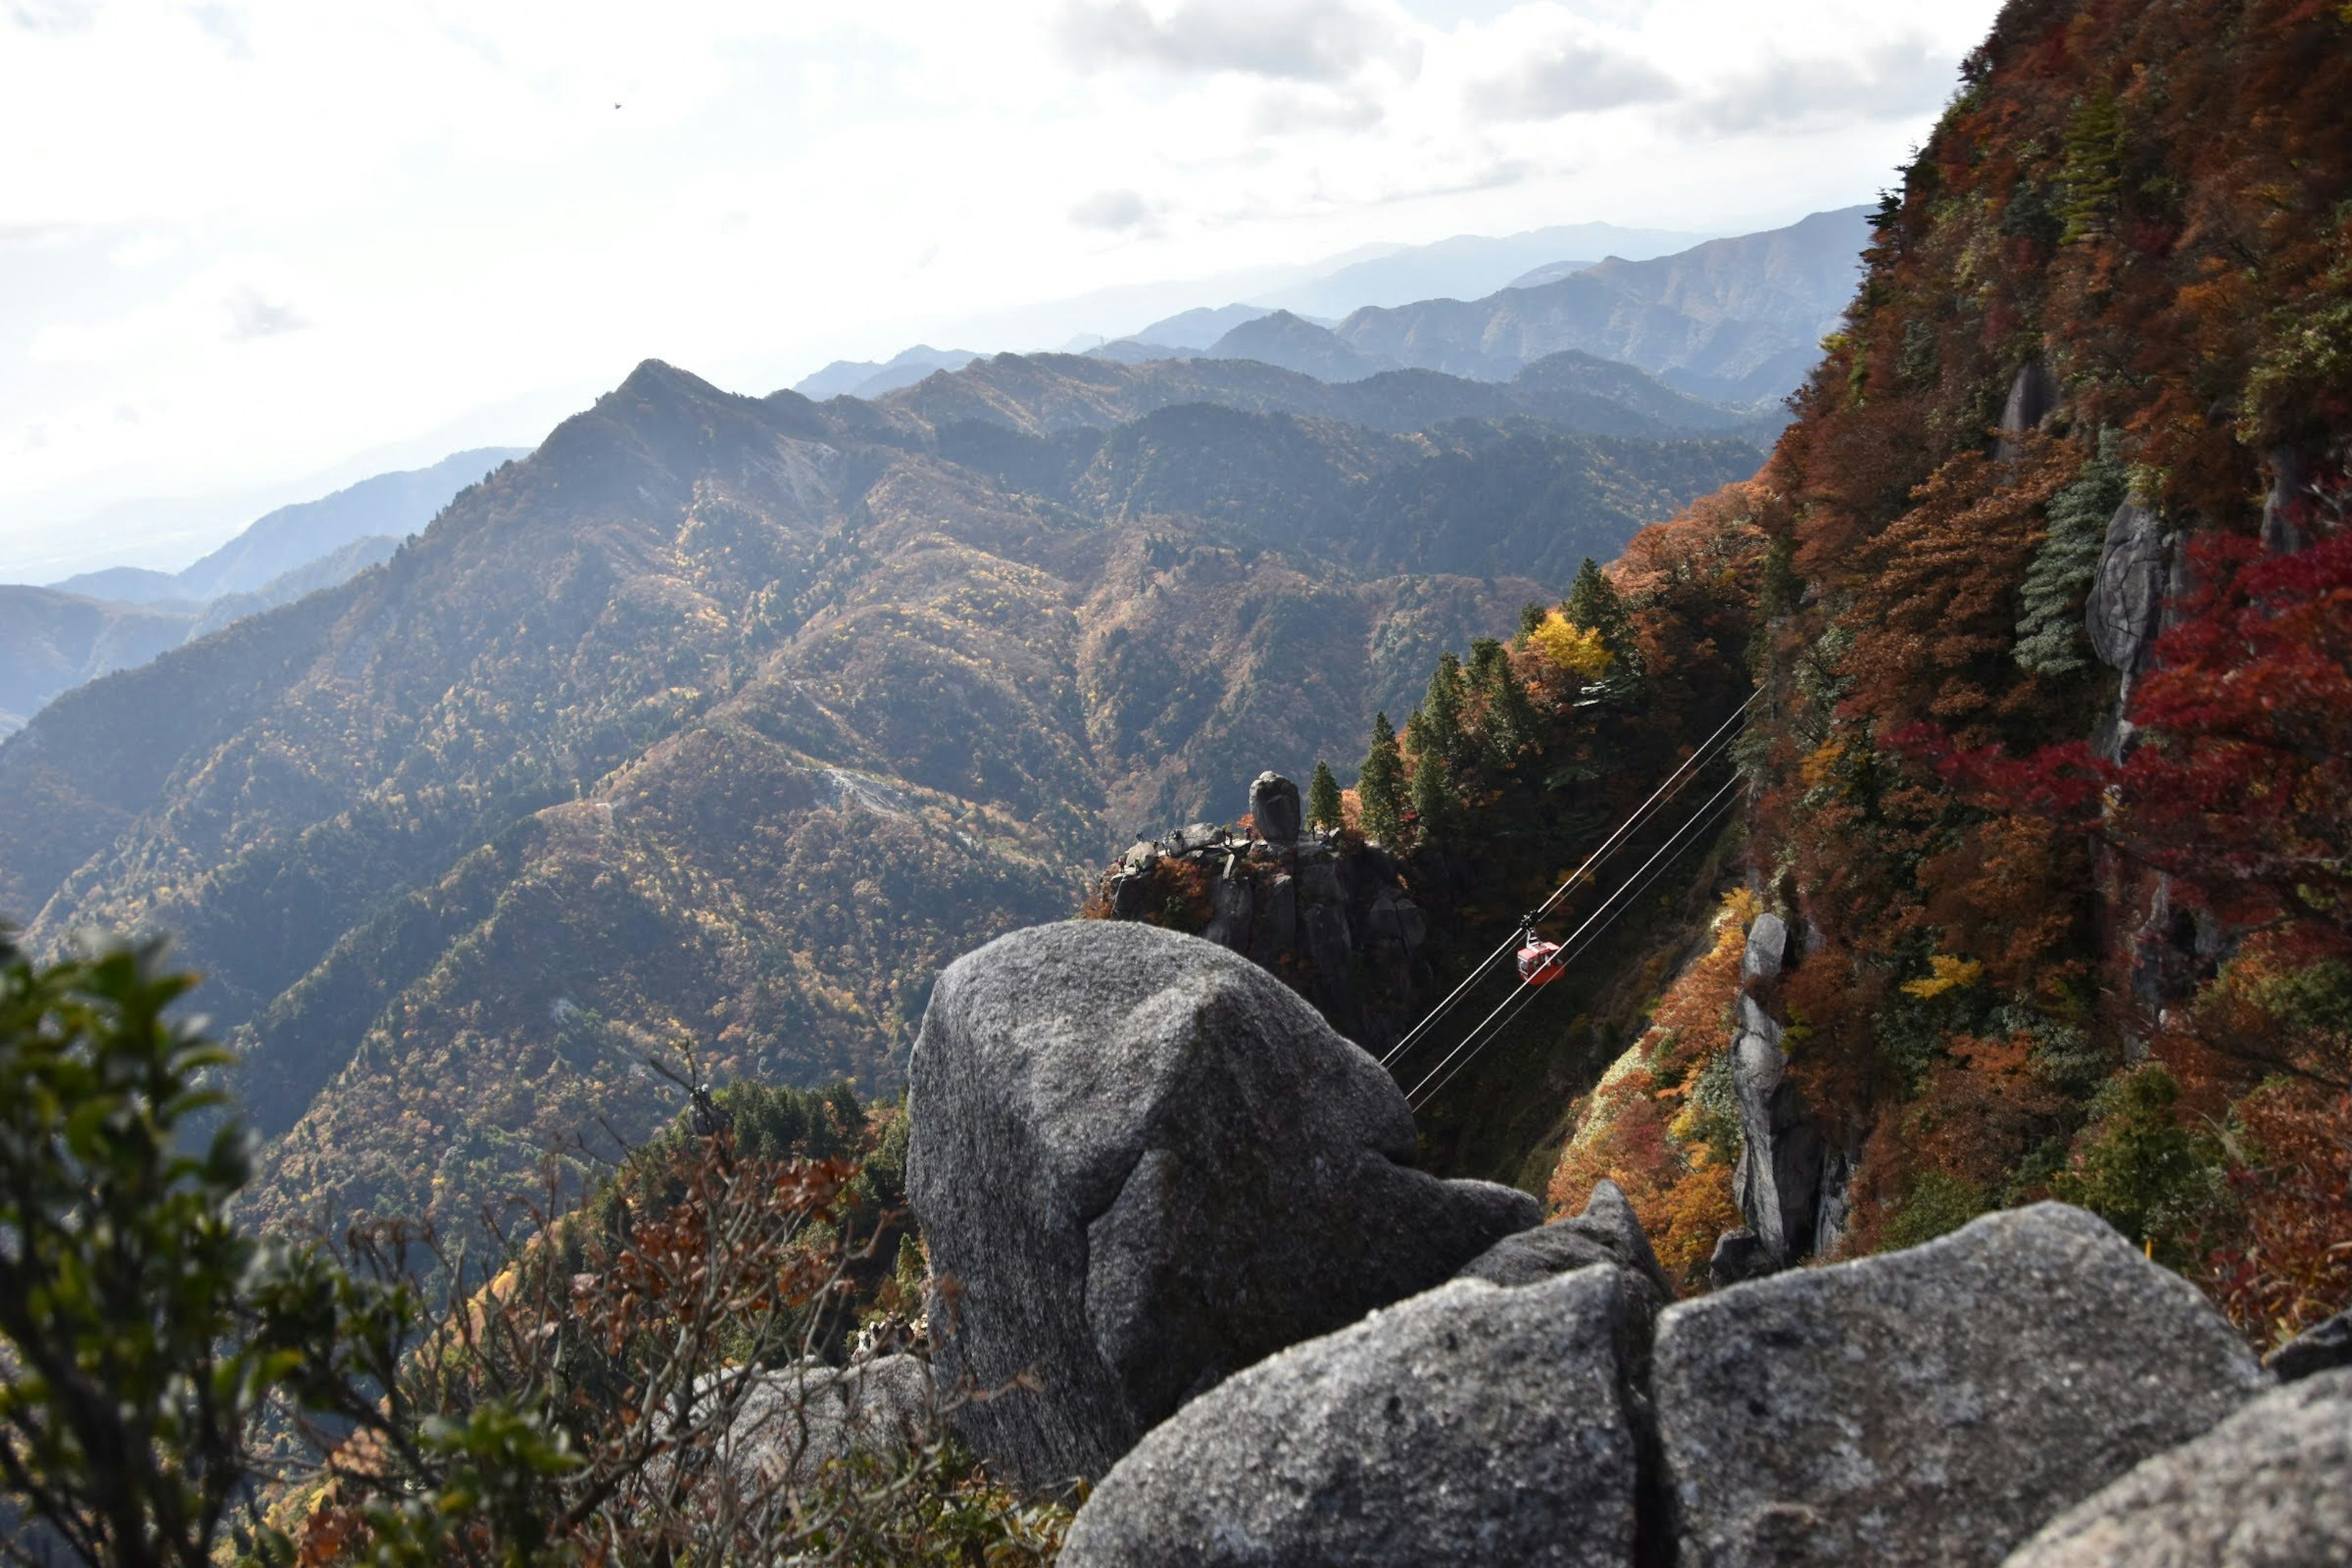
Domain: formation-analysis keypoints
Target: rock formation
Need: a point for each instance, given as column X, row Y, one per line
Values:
column 1474, row 1423
column 1606, row 1232
column 1933, row 1406
column 2128, row 596
column 1145, row 1163
column 2268, row 1488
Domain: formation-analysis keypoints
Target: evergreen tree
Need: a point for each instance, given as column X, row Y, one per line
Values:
column 1442, row 713
column 1782, row 590
column 1436, row 802
column 2050, row 638
column 1594, row 603
column 1380, row 789
column 1506, row 723
column 1323, row 797
column 1531, row 615
column 2095, row 167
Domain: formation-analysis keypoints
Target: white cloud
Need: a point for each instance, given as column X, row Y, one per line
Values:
column 443, row 194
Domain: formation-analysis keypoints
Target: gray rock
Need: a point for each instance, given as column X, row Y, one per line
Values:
column 1738, row 1256
column 1130, row 894
column 2032, row 398
column 1768, row 947
column 1230, row 925
column 1934, row 1405
column 1778, row 1180
column 791, row 1421
column 1471, row 1424
column 2318, row 1349
column 1274, row 808
column 1606, row 1232
column 1275, row 930
column 1146, row 1163
column 2268, row 1488
column 1197, row 836
column 2127, row 594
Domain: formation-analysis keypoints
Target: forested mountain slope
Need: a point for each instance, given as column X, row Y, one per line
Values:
column 722, row 723
column 2048, row 595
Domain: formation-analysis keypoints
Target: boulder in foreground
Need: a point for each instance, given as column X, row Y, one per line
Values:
column 1146, row 1163
column 1933, row 1406
column 2268, row 1488
column 1472, row 1424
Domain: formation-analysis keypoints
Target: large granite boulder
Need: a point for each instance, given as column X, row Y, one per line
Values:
column 2034, row 395
column 1144, row 1163
column 2268, row 1488
column 1933, row 1406
column 1606, row 1232
column 791, row 1421
column 1471, row 1424
column 1274, row 808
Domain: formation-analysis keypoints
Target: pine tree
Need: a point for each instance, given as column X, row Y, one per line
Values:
column 1594, row 603
column 1506, row 723
column 1782, row 590
column 1436, row 804
column 1323, row 797
column 2094, row 165
column 1441, row 715
column 2050, row 638
column 1380, row 790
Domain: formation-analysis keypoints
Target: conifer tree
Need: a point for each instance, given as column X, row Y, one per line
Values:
column 2050, row 639
column 1507, row 722
column 1440, row 714
column 1380, row 790
column 2093, row 170
column 1323, row 797
column 1436, row 802
column 1594, row 603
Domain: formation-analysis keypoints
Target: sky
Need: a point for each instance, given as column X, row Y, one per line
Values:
column 252, row 251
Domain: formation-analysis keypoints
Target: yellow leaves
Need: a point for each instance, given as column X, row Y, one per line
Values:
column 1571, row 647
column 1820, row 767
column 1948, row 974
column 1741, row 905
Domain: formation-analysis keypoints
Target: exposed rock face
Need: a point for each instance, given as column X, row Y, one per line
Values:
column 1606, row 1232
column 2282, row 531
column 1738, row 1256
column 1274, row 809
column 2126, row 597
column 1933, row 1406
column 2320, row 1347
column 1778, row 1180
column 2032, row 398
column 1471, row 1424
column 2268, row 1488
column 1767, row 948
column 1147, row 1164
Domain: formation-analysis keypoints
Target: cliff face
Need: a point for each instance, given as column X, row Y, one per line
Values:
column 2053, row 589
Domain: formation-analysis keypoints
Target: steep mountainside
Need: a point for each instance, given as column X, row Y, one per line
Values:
column 872, row 378
column 722, row 723
column 51, row 641
column 2041, row 880
column 1739, row 320
column 1284, row 340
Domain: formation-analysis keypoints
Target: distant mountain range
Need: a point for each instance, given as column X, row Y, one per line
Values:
column 53, row 638
column 724, row 721
column 1737, row 320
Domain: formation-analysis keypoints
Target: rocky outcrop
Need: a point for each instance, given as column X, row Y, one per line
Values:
column 2268, row 1488
column 1326, row 912
column 1472, row 1424
column 2127, row 600
column 2032, row 398
column 1146, row 1163
column 1606, row 1232
column 2284, row 524
column 1777, row 1183
column 1274, row 809
column 1934, row 1405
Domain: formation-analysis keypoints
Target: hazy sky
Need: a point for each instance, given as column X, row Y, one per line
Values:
column 248, row 246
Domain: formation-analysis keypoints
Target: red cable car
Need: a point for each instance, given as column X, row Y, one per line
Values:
column 1539, row 962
